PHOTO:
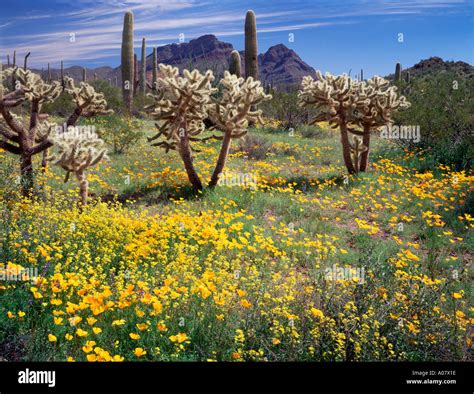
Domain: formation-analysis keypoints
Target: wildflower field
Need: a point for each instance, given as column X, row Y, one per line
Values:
column 300, row 263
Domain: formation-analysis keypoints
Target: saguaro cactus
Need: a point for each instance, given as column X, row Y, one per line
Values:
column 251, row 50
column 234, row 64
column 143, row 68
column 155, row 70
column 25, row 65
column 398, row 72
column 136, row 81
column 77, row 152
column 29, row 138
column 127, row 61
column 62, row 74
column 84, row 75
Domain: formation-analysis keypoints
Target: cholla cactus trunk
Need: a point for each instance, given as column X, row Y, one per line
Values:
column 127, row 65
column 251, row 50
column 185, row 153
column 398, row 72
column 143, row 68
column 83, row 187
column 155, row 70
column 346, row 148
column 234, row 64
column 364, row 159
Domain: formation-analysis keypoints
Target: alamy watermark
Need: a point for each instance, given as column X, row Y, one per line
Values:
column 394, row 132
column 87, row 131
column 18, row 275
column 238, row 179
column 347, row 273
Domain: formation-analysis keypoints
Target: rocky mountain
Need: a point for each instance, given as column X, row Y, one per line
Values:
column 278, row 66
column 435, row 65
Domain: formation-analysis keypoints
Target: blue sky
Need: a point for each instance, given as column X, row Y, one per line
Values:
column 330, row 35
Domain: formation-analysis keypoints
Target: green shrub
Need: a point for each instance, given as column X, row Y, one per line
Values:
column 443, row 106
column 121, row 133
column 284, row 108
column 254, row 147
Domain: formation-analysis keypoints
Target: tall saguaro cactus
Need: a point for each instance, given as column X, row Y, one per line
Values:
column 251, row 50
column 143, row 68
column 398, row 72
column 155, row 70
column 62, row 74
column 127, row 61
column 135, row 75
column 234, row 64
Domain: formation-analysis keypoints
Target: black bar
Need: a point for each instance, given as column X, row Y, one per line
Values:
column 240, row 377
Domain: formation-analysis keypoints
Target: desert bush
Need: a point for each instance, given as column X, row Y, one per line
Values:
column 254, row 147
column 112, row 94
column 443, row 108
column 312, row 131
column 121, row 133
column 284, row 108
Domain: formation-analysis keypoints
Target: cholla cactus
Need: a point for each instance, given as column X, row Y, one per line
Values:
column 347, row 104
column 27, row 138
column 180, row 108
column 232, row 113
column 333, row 96
column 76, row 153
column 88, row 101
column 377, row 102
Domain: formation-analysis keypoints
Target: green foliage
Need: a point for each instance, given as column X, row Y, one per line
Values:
column 284, row 108
column 253, row 147
column 121, row 133
column 62, row 106
column 111, row 93
column 443, row 106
